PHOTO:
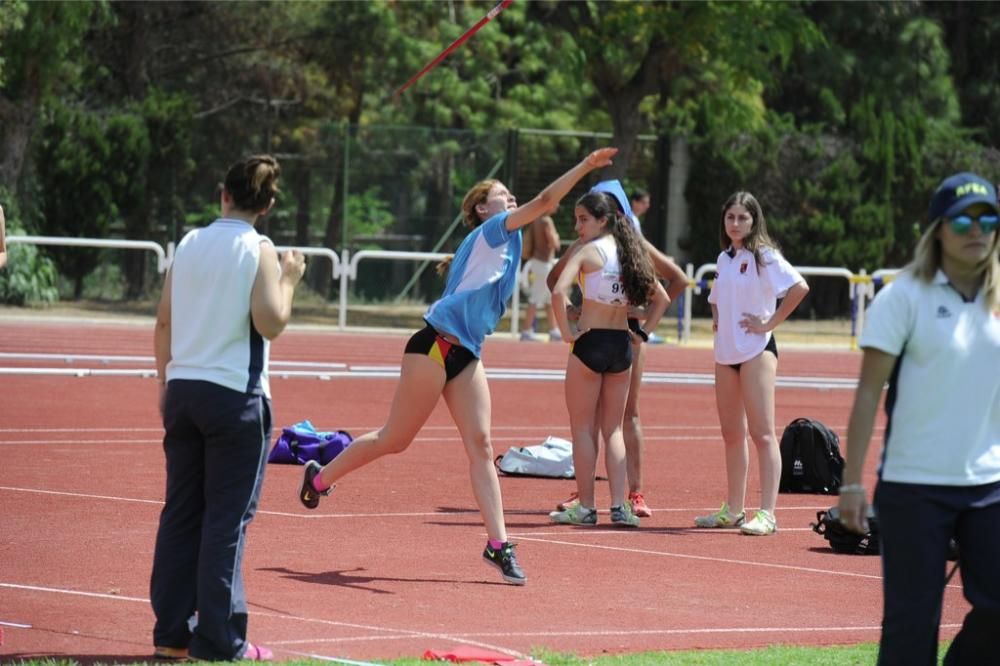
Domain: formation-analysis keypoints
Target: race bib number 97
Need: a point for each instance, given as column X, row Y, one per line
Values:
column 612, row 289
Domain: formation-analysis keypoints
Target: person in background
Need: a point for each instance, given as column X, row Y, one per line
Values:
column 752, row 276
column 443, row 359
column 934, row 335
column 638, row 322
column 225, row 296
column 3, row 239
column 541, row 241
column 639, row 201
column 614, row 272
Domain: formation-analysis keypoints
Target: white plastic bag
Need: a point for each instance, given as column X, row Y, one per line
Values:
column 552, row 459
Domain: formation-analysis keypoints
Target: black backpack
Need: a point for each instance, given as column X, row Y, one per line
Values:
column 810, row 459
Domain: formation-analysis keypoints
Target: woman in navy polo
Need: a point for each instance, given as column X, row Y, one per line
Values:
column 934, row 335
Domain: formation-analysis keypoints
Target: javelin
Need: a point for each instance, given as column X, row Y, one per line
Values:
column 492, row 14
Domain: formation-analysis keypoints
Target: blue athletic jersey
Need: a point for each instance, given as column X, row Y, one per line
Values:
column 481, row 279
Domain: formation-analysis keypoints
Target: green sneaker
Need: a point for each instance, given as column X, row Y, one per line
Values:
column 721, row 518
column 575, row 515
column 622, row 516
column 763, row 523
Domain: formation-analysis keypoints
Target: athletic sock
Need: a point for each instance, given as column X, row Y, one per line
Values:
column 318, row 484
column 496, row 545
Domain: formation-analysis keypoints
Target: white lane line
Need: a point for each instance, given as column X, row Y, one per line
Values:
column 558, row 429
column 392, row 372
column 336, row 660
column 703, row 558
column 106, row 358
column 520, row 440
column 457, row 512
column 465, row 636
column 75, row 593
column 408, row 633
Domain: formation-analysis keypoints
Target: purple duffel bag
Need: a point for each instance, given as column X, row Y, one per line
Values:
column 301, row 443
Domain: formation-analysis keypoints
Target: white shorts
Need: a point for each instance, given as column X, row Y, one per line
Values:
column 533, row 275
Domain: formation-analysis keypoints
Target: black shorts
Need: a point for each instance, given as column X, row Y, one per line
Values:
column 450, row 356
column 772, row 347
column 604, row 350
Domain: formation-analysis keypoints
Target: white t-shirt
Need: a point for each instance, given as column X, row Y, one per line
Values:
column 740, row 287
column 943, row 402
column 212, row 337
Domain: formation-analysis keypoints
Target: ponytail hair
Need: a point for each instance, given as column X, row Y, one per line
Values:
column 253, row 182
column 443, row 265
column 638, row 278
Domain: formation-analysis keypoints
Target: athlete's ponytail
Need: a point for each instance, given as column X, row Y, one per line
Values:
column 638, row 278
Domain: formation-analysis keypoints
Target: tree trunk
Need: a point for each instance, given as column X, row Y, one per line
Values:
column 135, row 24
column 301, row 185
column 17, row 121
column 625, row 122
column 332, row 238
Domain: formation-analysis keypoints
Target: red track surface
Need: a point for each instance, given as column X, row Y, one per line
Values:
column 389, row 565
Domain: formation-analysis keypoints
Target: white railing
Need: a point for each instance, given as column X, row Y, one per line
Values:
column 156, row 248
column 351, row 272
column 344, row 267
column 697, row 282
column 316, row 252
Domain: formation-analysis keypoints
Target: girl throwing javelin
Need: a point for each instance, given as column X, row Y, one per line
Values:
column 443, row 358
column 752, row 276
column 614, row 272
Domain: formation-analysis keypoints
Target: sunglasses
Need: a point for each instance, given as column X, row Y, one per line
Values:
column 961, row 224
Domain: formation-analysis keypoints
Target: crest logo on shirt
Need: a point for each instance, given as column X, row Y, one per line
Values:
column 743, row 267
column 943, row 312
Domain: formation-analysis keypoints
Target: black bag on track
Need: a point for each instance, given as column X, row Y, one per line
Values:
column 810, row 459
column 841, row 541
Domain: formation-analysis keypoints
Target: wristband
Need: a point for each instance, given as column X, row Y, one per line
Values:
column 852, row 488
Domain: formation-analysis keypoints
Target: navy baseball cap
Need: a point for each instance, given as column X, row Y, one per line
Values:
column 958, row 192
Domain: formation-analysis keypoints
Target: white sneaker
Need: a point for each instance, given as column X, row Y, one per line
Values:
column 762, row 524
column 529, row 336
column 555, row 335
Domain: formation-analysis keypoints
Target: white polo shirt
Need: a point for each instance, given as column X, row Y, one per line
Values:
column 739, row 287
column 212, row 337
column 943, row 402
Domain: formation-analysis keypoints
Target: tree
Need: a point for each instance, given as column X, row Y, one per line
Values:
column 679, row 53
column 40, row 52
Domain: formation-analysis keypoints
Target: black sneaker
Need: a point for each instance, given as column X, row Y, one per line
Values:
column 309, row 496
column 506, row 563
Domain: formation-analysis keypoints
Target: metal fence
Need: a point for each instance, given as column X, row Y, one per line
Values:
column 344, row 269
